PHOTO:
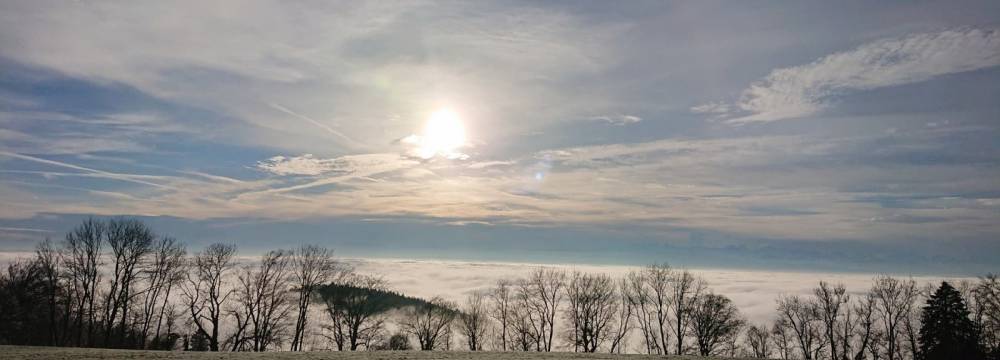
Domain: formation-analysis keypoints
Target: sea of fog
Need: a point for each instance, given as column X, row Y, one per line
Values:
column 753, row 291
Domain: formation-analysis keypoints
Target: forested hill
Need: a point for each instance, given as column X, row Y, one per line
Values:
column 378, row 299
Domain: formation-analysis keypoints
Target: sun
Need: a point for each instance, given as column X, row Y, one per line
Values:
column 443, row 134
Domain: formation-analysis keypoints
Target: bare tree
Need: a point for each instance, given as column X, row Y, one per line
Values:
column 758, row 339
column 832, row 303
column 911, row 321
column 205, row 293
column 684, row 290
column 314, row 267
column 986, row 295
column 866, row 322
column 161, row 274
column 781, row 337
column 623, row 317
column 541, row 294
column 263, row 302
column 803, row 318
column 591, row 310
column 130, row 240
column 524, row 335
column 502, row 302
column 83, row 261
column 355, row 308
column 714, row 321
column 894, row 300
column 49, row 265
column 474, row 320
column 429, row 322
column 649, row 313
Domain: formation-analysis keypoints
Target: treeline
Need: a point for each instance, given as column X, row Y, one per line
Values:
column 114, row 283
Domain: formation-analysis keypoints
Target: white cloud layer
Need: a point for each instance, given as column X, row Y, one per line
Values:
column 754, row 292
column 805, row 90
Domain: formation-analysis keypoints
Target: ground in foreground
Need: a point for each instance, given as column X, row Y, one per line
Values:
column 55, row 353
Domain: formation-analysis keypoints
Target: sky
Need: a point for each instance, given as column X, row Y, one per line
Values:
column 806, row 136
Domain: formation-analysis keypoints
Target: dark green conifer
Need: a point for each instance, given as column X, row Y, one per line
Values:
column 946, row 332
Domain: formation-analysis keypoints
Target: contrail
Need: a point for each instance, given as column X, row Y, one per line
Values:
column 288, row 111
column 110, row 175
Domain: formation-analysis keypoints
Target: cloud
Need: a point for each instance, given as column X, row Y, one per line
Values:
column 138, row 179
column 29, row 130
column 754, row 292
column 619, row 120
column 796, row 187
column 419, row 147
column 350, row 142
column 306, row 164
column 488, row 164
column 805, row 90
column 711, row 108
column 343, row 169
column 303, row 76
column 327, row 79
column 29, row 230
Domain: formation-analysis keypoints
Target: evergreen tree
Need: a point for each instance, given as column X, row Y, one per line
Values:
column 946, row 332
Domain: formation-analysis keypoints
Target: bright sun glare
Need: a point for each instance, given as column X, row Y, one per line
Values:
column 443, row 134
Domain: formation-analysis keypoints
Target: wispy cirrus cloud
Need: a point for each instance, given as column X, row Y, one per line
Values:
column 321, row 74
column 805, row 90
column 576, row 116
column 620, row 119
column 712, row 108
column 305, row 164
column 68, row 133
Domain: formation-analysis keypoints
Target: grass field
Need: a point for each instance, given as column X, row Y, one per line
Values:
column 47, row 353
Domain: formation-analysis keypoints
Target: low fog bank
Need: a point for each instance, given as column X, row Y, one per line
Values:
column 753, row 292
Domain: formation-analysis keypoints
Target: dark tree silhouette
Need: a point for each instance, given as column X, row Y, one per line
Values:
column 987, row 297
column 623, row 317
column 82, row 259
column 685, row 289
column 262, row 302
column 894, row 301
column 758, row 339
column 591, row 310
column 836, row 317
column 802, row 317
column 313, row 266
column 164, row 271
column 22, row 304
column 543, row 291
column 130, row 241
column 501, row 309
column 206, row 292
column 946, row 331
column 356, row 305
column 430, row 323
column 714, row 321
column 473, row 321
